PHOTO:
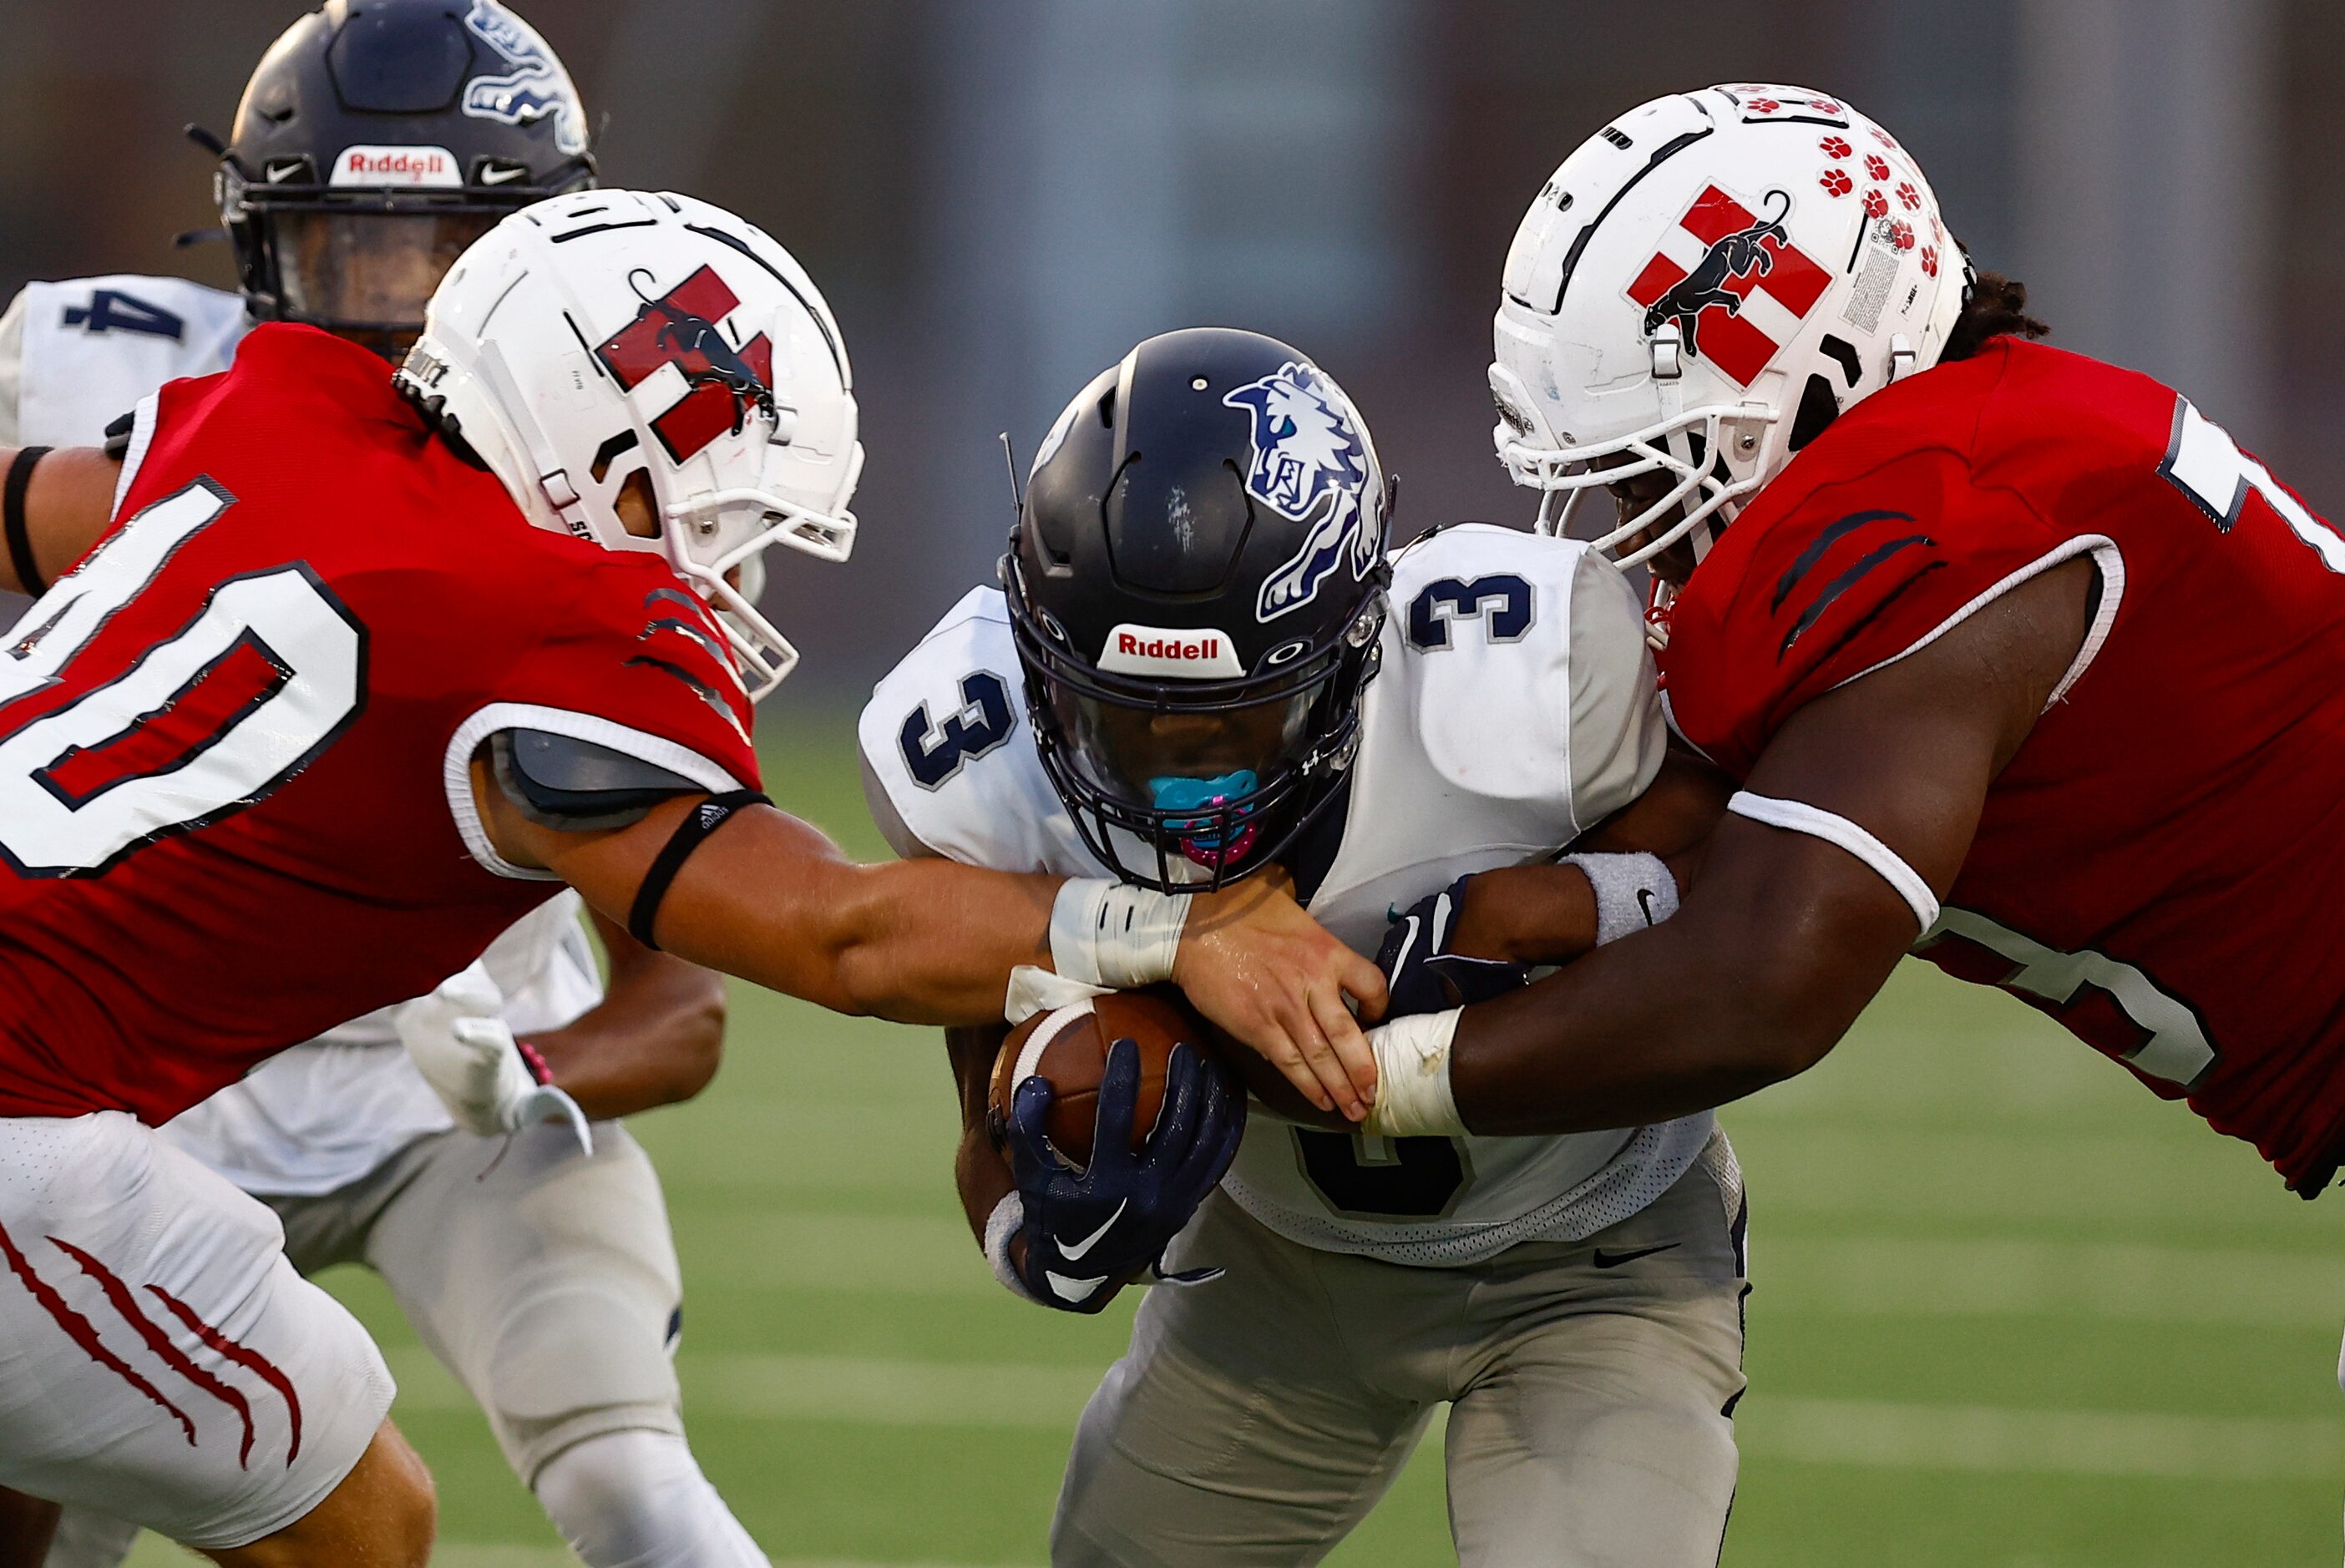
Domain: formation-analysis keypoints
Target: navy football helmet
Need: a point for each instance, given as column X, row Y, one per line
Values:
column 376, row 140
column 1196, row 584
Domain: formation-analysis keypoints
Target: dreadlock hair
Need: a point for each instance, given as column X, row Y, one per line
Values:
column 1994, row 306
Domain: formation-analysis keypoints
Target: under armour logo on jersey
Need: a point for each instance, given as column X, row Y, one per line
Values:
column 1310, row 464
column 724, row 385
column 1732, row 281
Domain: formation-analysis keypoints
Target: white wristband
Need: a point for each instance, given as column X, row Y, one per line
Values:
column 1632, row 892
column 1008, row 1217
column 1105, row 934
column 1413, row 1098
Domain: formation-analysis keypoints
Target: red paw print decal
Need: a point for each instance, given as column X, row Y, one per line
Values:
column 1764, row 105
column 1908, row 196
column 1876, row 167
column 1836, row 182
column 1885, row 139
column 1901, row 233
column 1835, row 146
column 1929, row 261
column 1875, row 205
column 1823, row 106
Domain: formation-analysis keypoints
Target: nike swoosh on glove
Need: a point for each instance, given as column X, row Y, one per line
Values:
column 1420, row 972
column 1086, row 1230
column 458, row 1039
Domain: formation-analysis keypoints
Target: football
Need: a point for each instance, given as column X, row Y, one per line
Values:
column 1069, row 1046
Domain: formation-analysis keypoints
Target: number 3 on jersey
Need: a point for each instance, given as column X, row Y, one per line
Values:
column 194, row 728
column 934, row 752
column 1502, row 602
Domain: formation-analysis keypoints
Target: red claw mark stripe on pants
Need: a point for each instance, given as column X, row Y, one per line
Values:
column 79, row 1330
column 124, row 1302
column 250, row 1360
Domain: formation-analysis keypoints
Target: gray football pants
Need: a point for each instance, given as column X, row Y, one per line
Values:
column 1257, row 1417
column 545, row 1280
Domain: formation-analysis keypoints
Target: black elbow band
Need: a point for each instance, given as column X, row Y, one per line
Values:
column 12, row 520
column 697, row 825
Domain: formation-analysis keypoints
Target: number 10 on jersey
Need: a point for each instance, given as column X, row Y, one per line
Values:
column 189, row 729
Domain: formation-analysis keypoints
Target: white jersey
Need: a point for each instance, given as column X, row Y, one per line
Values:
column 1515, row 709
column 74, row 357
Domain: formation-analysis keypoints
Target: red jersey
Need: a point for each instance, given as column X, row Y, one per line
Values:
column 2155, row 868
column 235, row 740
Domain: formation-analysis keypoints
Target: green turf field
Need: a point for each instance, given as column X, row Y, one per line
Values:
column 2011, row 1312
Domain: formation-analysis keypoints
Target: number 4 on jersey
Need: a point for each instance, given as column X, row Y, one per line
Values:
column 111, row 310
column 2204, row 464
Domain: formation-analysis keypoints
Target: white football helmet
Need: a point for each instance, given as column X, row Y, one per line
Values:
column 1700, row 288
column 608, row 333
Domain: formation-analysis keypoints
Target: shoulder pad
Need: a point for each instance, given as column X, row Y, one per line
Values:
column 946, row 747
column 1523, row 659
column 562, row 781
column 90, row 348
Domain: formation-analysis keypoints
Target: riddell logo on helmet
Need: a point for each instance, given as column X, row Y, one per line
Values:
column 1198, row 654
column 411, row 165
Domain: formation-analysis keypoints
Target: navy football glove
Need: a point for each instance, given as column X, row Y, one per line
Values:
column 1087, row 1229
column 1424, row 975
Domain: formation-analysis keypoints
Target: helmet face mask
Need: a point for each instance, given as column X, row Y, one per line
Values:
column 1690, row 490
column 1188, row 786
column 375, row 141
column 364, row 275
column 1698, row 290
column 1195, row 589
column 610, row 344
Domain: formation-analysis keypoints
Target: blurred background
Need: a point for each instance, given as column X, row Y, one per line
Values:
column 999, row 199
column 2010, row 1310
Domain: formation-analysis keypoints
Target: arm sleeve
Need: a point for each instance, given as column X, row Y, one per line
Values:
column 1859, row 574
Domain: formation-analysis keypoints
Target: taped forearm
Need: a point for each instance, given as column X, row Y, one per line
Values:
column 1104, row 937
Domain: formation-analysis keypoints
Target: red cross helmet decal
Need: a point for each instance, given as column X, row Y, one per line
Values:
column 1732, row 281
column 680, row 328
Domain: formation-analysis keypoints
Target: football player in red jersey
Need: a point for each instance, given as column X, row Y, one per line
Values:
column 309, row 713
column 2013, row 658
column 345, row 204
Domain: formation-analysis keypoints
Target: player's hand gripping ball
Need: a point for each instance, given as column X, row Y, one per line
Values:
column 1117, row 1121
column 1068, row 1048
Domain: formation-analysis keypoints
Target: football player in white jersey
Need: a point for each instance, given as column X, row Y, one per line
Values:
column 346, row 207
column 1202, row 664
